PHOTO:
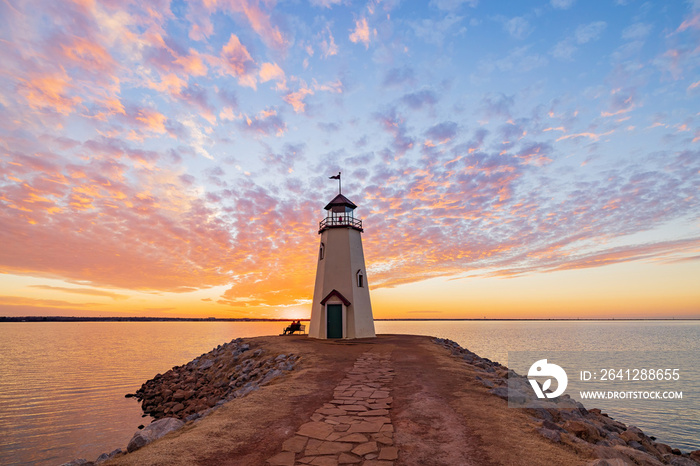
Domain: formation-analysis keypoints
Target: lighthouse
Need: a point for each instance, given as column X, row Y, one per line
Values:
column 341, row 305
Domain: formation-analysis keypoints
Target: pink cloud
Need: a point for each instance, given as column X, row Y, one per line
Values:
column 91, row 225
column 192, row 64
column 266, row 123
column 590, row 135
column 328, row 45
column 115, row 219
column 51, row 92
column 691, row 23
column 258, row 20
column 536, row 154
column 88, row 54
column 150, row 120
column 335, row 87
column 296, row 99
column 270, row 71
column 170, row 83
column 361, row 32
column 236, row 61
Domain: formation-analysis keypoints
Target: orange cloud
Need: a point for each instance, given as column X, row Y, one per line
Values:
column 170, row 83
column 618, row 112
column 50, row 91
column 296, row 99
column 236, row 61
column 334, row 86
column 83, row 291
column 114, row 105
column 151, row 119
column 269, row 71
column 259, row 21
column 593, row 136
column 89, row 54
column 361, row 32
column 109, row 230
column 328, row 45
column 10, row 302
column 192, row 64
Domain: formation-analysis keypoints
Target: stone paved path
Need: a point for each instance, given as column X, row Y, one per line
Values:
column 354, row 427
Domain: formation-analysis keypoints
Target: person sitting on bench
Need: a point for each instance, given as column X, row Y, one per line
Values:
column 294, row 327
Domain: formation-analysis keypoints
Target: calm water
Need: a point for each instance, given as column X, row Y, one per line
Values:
column 62, row 385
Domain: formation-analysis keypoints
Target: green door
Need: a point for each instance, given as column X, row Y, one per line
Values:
column 335, row 321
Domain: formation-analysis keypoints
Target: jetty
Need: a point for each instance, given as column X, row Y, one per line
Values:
column 390, row 400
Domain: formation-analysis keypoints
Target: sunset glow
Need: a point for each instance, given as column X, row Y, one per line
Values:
column 508, row 159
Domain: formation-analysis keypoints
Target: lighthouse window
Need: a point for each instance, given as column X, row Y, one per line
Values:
column 360, row 279
column 321, row 251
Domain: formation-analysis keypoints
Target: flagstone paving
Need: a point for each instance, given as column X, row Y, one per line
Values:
column 354, row 427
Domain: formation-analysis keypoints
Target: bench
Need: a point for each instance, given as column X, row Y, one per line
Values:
column 302, row 329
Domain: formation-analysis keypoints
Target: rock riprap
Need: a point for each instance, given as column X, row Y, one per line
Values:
column 354, row 427
column 229, row 371
column 589, row 432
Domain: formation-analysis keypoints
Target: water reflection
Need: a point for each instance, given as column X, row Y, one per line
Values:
column 62, row 384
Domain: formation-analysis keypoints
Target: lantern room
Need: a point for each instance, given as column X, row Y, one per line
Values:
column 340, row 214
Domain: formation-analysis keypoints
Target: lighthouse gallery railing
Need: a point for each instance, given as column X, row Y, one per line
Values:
column 344, row 221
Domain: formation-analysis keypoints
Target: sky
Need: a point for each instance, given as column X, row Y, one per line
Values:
column 509, row 159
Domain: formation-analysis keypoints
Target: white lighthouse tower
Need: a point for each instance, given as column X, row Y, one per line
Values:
column 341, row 306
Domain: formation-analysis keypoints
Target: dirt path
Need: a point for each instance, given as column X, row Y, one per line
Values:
column 434, row 413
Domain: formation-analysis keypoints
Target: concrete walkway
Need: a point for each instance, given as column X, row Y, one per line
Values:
column 354, row 427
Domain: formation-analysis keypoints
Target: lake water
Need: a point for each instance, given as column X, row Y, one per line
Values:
column 62, row 384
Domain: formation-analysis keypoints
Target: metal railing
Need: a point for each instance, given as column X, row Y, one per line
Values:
column 343, row 221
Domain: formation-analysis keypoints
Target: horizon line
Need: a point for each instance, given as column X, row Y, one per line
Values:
column 263, row 319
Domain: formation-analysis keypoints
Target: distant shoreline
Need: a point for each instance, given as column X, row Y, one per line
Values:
column 215, row 319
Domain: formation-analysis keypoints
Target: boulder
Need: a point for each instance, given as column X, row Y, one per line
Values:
column 666, row 450
column 681, row 461
column 107, row 456
column 485, row 382
column 552, row 435
column 153, row 432
column 638, row 457
column 583, row 430
column 632, row 434
column 636, row 445
column 269, row 376
column 177, row 408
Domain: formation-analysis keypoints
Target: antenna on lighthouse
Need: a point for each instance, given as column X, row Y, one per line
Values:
column 336, row 177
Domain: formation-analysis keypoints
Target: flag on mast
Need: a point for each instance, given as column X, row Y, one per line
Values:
column 336, row 177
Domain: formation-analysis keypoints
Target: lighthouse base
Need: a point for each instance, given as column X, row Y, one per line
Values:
column 341, row 306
